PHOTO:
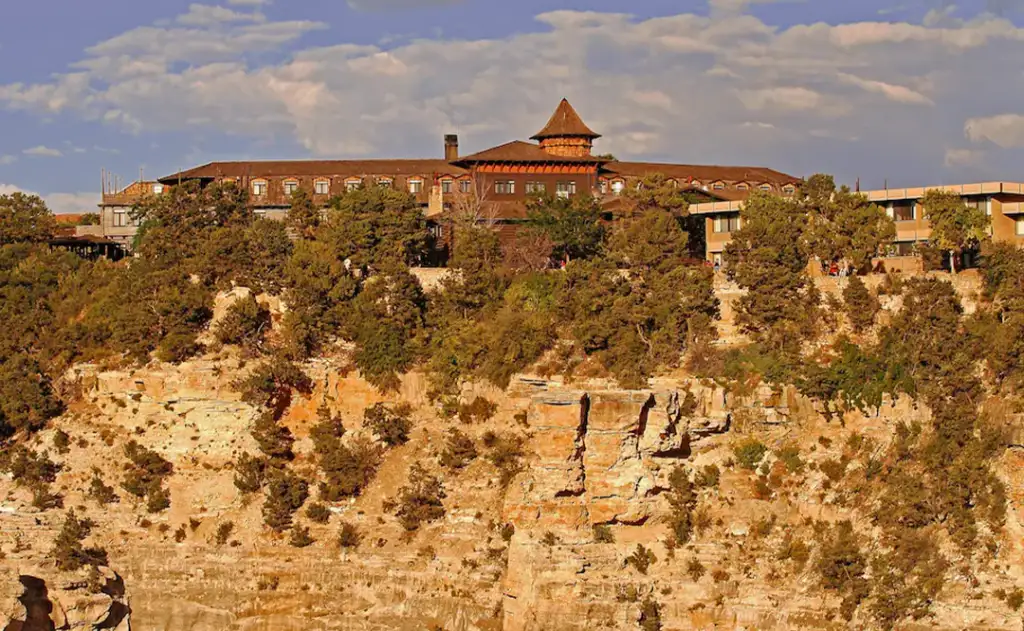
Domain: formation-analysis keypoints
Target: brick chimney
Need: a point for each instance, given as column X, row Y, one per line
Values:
column 451, row 147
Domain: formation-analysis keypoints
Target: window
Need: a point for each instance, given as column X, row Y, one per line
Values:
column 617, row 186
column 415, row 186
column 742, row 186
column 695, row 183
column 767, row 188
column 121, row 218
column 566, row 189
column 535, row 187
column 718, row 186
column 1020, row 226
column 604, row 187
column 353, row 185
column 261, row 213
column 259, row 188
column 465, row 186
column 322, row 187
column 903, row 211
column 504, row 187
column 436, row 231
column 789, row 189
column 386, row 182
column 158, row 188
column 981, row 203
column 446, row 186
column 727, row 223
column 290, row 187
column 673, row 183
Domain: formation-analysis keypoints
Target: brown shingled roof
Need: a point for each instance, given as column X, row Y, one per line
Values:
column 565, row 122
column 519, row 151
column 702, row 173
column 314, row 168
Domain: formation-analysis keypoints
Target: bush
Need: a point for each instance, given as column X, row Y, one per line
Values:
column 224, row 531
column 506, row 454
column 708, row 476
column 348, row 535
column 683, row 500
column 459, row 450
column 245, row 324
column 275, row 440
column 841, row 566
column 641, row 559
column 300, row 537
column 68, row 551
column 348, row 469
column 695, row 569
column 749, row 453
column 145, row 475
column 650, row 615
column 861, row 305
column 286, row 493
column 419, row 500
column 61, row 441
column 271, row 384
column 389, row 425
column 790, row 456
column 479, row 410
column 250, row 473
column 102, row 493
column 318, row 513
column 603, row 534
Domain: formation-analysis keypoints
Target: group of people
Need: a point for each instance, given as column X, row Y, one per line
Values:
column 836, row 269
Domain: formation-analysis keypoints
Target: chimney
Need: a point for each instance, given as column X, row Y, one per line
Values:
column 451, row 147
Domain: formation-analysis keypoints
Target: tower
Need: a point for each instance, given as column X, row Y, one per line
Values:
column 566, row 134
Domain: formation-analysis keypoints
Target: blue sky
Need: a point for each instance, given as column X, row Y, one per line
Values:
column 909, row 93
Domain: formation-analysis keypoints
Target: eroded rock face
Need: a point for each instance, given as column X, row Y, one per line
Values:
column 48, row 605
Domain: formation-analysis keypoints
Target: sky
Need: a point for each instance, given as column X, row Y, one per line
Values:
column 896, row 92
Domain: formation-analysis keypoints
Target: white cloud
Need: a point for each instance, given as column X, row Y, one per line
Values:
column 964, row 157
column 208, row 15
column 1004, row 130
column 8, row 159
column 43, row 151
column 249, row 3
column 384, row 5
column 59, row 203
column 725, row 88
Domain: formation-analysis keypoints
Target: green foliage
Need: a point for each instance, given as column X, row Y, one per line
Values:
column 656, row 192
column 650, row 615
column 1002, row 332
column 708, row 477
column 572, row 225
column 641, row 559
column 68, row 549
column 683, row 500
column 479, row 410
column 849, row 376
column 907, row 577
column 304, row 216
column 25, row 219
column 245, row 324
column 318, row 513
column 272, row 382
column 300, row 537
column 27, row 399
column 843, row 224
column 387, row 318
column 375, row 227
column 389, row 424
column 286, row 493
column 861, row 305
column 250, row 473
column 749, row 453
column 506, row 454
column 347, row 469
column 224, row 530
column 274, row 439
column 100, row 491
column 955, row 225
column 652, row 242
column 420, row 500
column 768, row 257
column 145, row 475
column 459, row 450
column 348, row 535
column 841, row 566
column 603, row 534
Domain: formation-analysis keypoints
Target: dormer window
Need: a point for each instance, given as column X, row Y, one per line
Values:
column 789, row 189
column 742, row 186
column 158, row 189
column 385, row 182
column 291, row 187
column 604, row 187
column 446, row 186
column 695, row 183
column 618, row 186
column 767, row 188
column 718, row 186
column 415, row 186
column 353, row 184
column 322, row 187
column 673, row 183
column 259, row 188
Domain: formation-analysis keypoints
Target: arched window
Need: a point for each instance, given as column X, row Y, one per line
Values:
column 789, row 189
column 718, row 186
column 415, row 185
column 353, row 183
column 322, row 187
column 386, row 182
column 618, row 186
column 291, row 187
column 742, row 186
column 259, row 188
column 767, row 188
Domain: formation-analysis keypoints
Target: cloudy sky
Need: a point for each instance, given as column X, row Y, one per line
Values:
column 911, row 92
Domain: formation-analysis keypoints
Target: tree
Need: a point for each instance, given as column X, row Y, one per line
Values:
column 861, row 305
column 572, row 224
column 843, row 224
column 768, row 257
column 25, row 219
column 955, row 225
column 304, row 216
column 375, row 225
column 651, row 242
column 656, row 192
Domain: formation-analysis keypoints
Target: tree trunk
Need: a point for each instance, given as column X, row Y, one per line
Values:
column 952, row 261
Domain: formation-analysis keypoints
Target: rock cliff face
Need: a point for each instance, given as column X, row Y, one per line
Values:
column 515, row 557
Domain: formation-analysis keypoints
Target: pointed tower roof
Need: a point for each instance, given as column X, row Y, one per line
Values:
column 565, row 122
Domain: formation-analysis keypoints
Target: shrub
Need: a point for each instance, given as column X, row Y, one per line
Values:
column 103, row 493
column 390, row 425
column 275, row 440
column 841, row 566
column 250, row 473
column 695, row 569
column 708, row 476
column 1015, row 599
column 145, row 476
column 506, row 454
column 300, row 537
column 61, row 441
column 650, row 615
column 459, row 450
column 158, row 500
column 795, row 550
column 790, row 456
column 286, row 493
column 348, row 535
column 318, row 513
column 683, row 500
column 749, row 453
column 419, row 500
column 861, row 305
column 479, row 410
column 245, row 323
column 348, row 469
column 224, row 532
column 68, row 550
column 327, row 432
column 271, row 384
column 603, row 534
column 27, row 467
column 641, row 559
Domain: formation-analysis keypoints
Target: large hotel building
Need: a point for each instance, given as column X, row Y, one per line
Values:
column 560, row 161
